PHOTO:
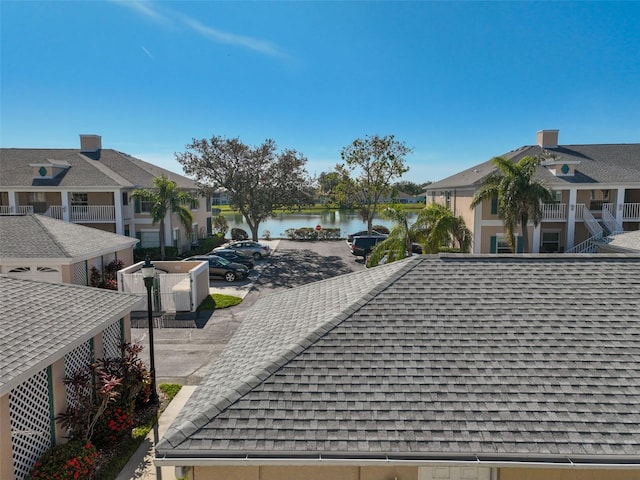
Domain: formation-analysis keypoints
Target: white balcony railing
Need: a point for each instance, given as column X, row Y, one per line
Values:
column 18, row 210
column 93, row 213
column 631, row 212
column 579, row 211
column 84, row 213
column 554, row 211
column 54, row 211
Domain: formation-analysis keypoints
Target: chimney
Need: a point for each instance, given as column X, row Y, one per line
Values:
column 90, row 143
column 547, row 138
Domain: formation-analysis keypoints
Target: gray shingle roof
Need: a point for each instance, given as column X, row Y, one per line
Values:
column 41, row 322
column 432, row 357
column 37, row 236
column 605, row 164
column 111, row 169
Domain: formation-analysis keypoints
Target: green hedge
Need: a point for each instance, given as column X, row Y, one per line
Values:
column 310, row 233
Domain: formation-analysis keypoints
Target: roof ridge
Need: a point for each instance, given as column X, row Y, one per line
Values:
column 106, row 170
column 234, row 392
column 49, row 234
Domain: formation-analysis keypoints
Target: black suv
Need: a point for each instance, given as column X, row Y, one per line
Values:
column 361, row 246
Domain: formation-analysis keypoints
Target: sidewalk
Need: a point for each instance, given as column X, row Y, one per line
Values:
column 140, row 465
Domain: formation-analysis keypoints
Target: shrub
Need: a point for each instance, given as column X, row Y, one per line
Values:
column 380, row 229
column 309, row 233
column 207, row 244
column 139, row 254
column 67, row 461
column 220, row 224
column 266, row 235
column 238, row 234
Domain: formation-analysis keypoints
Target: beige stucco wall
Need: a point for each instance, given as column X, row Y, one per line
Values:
column 6, row 456
column 392, row 473
column 51, row 198
column 566, row 474
column 100, row 198
column 461, row 203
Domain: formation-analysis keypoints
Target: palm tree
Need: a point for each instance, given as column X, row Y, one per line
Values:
column 166, row 198
column 435, row 227
column 398, row 243
column 438, row 227
column 520, row 196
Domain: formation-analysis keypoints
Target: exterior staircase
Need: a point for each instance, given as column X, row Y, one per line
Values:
column 600, row 231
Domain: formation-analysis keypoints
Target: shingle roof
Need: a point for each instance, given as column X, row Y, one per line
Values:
column 429, row 358
column 109, row 168
column 37, row 236
column 41, row 322
column 605, row 164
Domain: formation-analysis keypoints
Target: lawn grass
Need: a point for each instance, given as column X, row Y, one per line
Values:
column 216, row 301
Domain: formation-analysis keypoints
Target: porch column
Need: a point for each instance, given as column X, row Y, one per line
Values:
column 571, row 218
column 13, row 201
column 619, row 214
column 477, row 228
column 535, row 245
column 117, row 202
column 66, row 206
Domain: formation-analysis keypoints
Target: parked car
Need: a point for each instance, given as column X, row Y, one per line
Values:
column 248, row 247
column 361, row 246
column 363, row 233
column 219, row 267
column 235, row 256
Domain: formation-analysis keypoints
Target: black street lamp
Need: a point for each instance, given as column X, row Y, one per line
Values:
column 148, row 273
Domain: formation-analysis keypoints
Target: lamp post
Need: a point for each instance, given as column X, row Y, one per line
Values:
column 148, row 273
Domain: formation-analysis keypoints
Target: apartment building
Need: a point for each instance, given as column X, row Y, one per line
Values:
column 596, row 189
column 92, row 186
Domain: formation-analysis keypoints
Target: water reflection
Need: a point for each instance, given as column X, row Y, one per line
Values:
column 347, row 221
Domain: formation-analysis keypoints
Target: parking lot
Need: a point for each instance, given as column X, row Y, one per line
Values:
column 183, row 353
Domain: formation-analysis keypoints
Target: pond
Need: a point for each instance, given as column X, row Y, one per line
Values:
column 348, row 221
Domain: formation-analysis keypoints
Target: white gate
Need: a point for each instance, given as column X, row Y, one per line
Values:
column 163, row 288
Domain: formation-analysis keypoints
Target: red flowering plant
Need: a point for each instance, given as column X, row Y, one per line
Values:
column 118, row 418
column 67, row 461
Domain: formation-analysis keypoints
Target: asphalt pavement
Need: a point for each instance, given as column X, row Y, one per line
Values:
column 184, row 350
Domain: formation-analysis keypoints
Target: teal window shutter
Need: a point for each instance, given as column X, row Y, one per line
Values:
column 137, row 205
column 494, row 205
column 519, row 245
column 494, row 244
column 139, row 237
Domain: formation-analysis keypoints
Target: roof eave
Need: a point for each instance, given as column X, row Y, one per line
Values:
column 205, row 458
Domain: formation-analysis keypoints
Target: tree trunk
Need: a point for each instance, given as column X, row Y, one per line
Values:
column 254, row 231
column 525, row 238
column 163, row 240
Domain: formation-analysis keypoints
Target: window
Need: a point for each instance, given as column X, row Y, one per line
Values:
column 494, row 205
column 447, row 199
column 176, row 238
column 79, row 199
column 557, row 196
column 146, row 205
column 194, row 234
column 37, row 197
column 550, row 242
column 149, row 239
column 125, row 198
column 500, row 244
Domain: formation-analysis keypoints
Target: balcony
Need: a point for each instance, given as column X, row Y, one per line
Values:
column 19, row 210
column 84, row 213
column 557, row 212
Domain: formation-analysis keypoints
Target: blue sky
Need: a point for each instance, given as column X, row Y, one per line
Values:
column 459, row 82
